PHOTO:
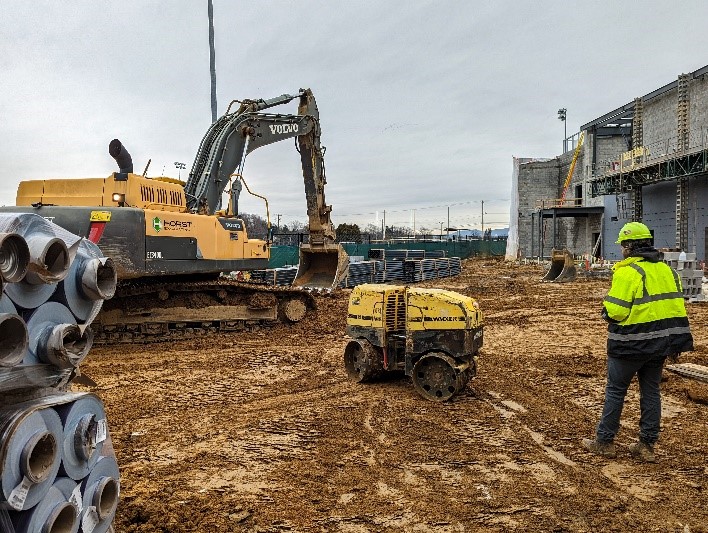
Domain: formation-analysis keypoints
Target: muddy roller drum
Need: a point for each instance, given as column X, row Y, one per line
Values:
column 321, row 267
column 362, row 361
column 439, row 377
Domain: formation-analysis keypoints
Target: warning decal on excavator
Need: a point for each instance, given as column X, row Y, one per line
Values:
column 100, row 216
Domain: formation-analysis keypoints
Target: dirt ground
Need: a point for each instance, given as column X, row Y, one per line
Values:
column 263, row 432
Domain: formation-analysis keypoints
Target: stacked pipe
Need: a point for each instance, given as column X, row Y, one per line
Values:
column 379, row 271
column 403, row 254
column 412, row 271
column 396, row 270
column 282, row 276
column 442, row 267
column 58, row 471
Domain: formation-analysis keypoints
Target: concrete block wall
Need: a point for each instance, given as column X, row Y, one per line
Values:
column 698, row 111
column 661, row 117
column 608, row 149
column 661, row 122
column 660, row 130
column 538, row 180
column 541, row 180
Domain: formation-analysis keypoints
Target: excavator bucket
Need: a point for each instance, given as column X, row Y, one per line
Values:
column 562, row 267
column 321, row 267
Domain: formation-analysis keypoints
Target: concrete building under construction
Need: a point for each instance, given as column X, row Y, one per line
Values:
column 646, row 160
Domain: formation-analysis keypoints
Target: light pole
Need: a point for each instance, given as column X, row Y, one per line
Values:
column 180, row 166
column 561, row 116
column 482, row 219
column 212, row 59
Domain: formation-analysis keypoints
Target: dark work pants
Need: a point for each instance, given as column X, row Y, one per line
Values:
column 619, row 375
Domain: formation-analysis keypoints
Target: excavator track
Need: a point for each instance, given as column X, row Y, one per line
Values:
column 147, row 312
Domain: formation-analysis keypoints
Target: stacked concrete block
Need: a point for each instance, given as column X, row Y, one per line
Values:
column 691, row 276
column 58, row 471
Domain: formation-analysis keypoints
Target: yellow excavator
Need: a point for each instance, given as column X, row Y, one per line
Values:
column 171, row 241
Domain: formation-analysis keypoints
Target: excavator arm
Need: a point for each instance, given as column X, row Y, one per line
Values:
column 223, row 150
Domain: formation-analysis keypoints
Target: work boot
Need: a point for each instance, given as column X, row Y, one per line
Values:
column 606, row 449
column 642, row 451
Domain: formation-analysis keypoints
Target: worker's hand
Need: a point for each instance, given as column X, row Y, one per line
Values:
column 607, row 317
column 674, row 357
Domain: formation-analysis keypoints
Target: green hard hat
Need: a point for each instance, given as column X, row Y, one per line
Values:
column 633, row 231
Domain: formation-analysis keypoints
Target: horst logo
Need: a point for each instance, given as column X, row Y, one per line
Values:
column 173, row 225
column 283, row 128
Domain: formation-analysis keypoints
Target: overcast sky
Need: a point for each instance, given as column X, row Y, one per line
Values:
column 422, row 103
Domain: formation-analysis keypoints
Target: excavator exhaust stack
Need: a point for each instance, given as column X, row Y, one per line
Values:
column 321, row 266
column 562, row 267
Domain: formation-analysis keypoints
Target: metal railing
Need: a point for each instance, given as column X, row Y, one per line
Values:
column 650, row 153
column 553, row 203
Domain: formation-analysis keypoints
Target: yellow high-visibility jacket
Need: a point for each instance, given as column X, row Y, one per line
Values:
column 645, row 309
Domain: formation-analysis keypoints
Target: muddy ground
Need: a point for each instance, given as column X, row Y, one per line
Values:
column 263, row 432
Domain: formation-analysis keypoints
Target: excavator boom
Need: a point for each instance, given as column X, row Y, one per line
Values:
column 222, row 153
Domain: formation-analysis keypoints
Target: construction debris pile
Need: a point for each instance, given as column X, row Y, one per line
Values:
column 57, row 466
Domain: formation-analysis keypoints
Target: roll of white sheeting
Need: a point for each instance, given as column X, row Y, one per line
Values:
column 14, row 257
column 14, row 340
column 6, row 305
column 49, row 326
column 49, row 259
column 100, row 492
column 27, row 296
column 85, row 431
column 92, row 278
column 56, row 513
column 30, row 458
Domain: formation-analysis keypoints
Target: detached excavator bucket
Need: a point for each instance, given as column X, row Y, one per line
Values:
column 321, row 267
column 562, row 267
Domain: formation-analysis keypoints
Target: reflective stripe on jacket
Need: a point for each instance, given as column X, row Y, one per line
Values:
column 647, row 311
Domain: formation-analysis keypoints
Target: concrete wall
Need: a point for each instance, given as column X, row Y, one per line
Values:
column 538, row 181
column 543, row 180
column 698, row 112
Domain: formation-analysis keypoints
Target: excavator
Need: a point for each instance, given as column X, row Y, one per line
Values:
column 172, row 242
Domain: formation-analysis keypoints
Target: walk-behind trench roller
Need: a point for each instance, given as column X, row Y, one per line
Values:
column 432, row 335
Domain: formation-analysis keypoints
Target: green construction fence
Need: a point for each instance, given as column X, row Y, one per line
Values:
column 281, row 256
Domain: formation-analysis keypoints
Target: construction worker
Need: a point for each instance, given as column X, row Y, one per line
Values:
column 647, row 323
